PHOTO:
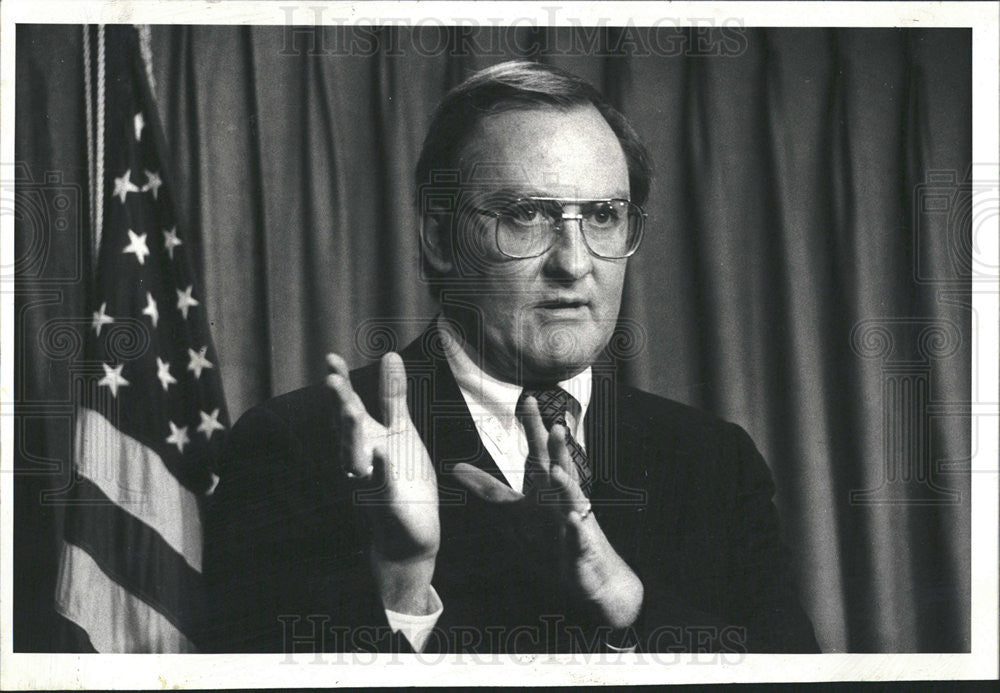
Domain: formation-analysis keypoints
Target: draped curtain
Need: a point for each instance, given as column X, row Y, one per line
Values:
column 793, row 277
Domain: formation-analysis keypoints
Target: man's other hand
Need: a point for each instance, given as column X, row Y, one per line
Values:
column 556, row 507
column 396, row 484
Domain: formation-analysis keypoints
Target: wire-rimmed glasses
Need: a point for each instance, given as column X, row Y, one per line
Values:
column 528, row 226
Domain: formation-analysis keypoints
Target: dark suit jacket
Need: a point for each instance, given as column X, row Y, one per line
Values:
column 685, row 499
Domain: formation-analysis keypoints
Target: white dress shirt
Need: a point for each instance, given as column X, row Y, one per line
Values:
column 493, row 405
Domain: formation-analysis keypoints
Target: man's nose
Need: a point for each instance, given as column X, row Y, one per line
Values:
column 569, row 257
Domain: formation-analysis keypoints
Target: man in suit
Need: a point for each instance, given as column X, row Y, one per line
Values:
column 495, row 487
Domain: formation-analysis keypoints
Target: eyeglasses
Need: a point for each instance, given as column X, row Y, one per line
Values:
column 527, row 227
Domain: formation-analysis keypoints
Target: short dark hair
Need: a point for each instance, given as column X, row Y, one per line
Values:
column 515, row 85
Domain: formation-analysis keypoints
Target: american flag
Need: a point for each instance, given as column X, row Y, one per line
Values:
column 151, row 413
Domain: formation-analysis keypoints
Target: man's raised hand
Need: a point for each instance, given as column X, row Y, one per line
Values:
column 396, row 483
column 589, row 563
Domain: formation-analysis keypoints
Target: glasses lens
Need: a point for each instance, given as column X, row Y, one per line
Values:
column 524, row 228
column 612, row 227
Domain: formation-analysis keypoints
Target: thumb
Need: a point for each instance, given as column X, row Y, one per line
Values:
column 483, row 485
column 392, row 390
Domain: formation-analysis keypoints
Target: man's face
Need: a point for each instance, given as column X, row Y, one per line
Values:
column 546, row 317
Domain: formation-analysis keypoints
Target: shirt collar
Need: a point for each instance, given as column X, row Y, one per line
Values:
column 499, row 397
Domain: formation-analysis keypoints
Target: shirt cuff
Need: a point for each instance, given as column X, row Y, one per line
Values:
column 416, row 628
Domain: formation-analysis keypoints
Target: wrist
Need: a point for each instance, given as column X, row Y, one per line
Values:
column 404, row 586
column 619, row 601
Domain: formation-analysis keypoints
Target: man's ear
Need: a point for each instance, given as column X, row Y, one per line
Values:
column 435, row 238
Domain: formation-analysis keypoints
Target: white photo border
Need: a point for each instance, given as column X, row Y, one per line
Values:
column 23, row 670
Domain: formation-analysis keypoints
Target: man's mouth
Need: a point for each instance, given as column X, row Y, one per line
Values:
column 567, row 304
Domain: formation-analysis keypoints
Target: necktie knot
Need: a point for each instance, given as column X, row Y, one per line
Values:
column 552, row 404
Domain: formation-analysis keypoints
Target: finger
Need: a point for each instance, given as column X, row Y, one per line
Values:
column 578, row 534
column 353, row 456
column 338, row 365
column 559, row 454
column 537, row 463
column 569, row 492
column 392, row 391
column 560, row 477
column 483, row 485
column 534, row 429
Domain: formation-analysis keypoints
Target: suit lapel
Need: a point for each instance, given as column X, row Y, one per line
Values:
column 635, row 476
column 439, row 411
column 614, row 441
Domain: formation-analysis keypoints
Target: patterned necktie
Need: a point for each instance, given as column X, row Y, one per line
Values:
column 552, row 404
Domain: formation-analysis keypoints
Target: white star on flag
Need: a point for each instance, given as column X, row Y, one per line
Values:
column 198, row 361
column 185, row 301
column 163, row 373
column 113, row 378
column 210, row 423
column 139, row 124
column 151, row 309
column 171, row 241
column 137, row 245
column 153, row 183
column 178, row 436
column 123, row 186
column 100, row 319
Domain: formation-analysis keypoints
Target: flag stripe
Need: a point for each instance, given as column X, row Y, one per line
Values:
column 115, row 539
column 136, row 479
column 115, row 620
